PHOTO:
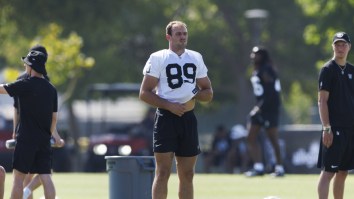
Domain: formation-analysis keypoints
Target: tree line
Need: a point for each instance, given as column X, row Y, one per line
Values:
column 110, row 41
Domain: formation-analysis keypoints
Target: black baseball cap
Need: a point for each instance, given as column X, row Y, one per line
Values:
column 36, row 59
column 341, row 36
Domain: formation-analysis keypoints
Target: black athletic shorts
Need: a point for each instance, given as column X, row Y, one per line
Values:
column 33, row 158
column 268, row 119
column 340, row 155
column 176, row 134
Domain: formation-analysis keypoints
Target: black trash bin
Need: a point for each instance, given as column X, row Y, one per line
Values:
column 130, row 177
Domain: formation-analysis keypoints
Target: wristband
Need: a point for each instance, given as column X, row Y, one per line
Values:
column 195, row 90
column 327, row 129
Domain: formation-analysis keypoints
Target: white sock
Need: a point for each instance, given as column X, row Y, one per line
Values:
column 26, row 192
column 279, row 168
column 258, row 166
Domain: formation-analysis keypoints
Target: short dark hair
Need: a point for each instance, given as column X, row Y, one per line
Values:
column 170, row 25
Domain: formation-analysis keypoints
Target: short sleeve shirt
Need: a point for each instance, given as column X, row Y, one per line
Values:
column 266, row 92
column 38, row 101
column 341, row 93
column 177, row 74
column 22, row 76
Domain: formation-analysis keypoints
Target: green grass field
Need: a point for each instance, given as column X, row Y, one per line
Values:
column 207, row 186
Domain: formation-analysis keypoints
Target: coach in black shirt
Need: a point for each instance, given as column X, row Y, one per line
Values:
column 336, row 108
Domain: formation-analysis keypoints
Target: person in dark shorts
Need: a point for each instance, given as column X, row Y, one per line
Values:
column 38, row 105
column 179, row 77
column 336, row 109
column 265, row 114
column 30, row 183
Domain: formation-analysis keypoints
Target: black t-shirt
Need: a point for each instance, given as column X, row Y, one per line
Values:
column 266, row 88
column 37, row 100
column 341, row 93
column 22, row 76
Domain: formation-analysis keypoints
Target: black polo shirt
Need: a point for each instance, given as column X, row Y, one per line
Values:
column 340, row 85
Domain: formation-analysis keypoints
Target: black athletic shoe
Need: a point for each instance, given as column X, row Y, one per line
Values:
column 253, row 173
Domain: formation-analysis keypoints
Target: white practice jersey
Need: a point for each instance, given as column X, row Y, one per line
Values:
column 177, row 74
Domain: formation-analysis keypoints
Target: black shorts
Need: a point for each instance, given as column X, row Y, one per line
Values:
column 268, row 119
column 340, row 155
column 33, row 157
column 176, row 134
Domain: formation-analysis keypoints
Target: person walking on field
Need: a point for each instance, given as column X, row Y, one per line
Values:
column 266, row 88
column 179, row 76
column 38, row 105
column 336, row 109
column 29, row 183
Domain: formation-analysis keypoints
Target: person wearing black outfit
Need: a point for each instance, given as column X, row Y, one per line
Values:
column 38, row 105
column 265, row 114
column 336, row 109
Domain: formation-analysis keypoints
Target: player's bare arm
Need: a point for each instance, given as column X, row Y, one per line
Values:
column 205, row 92
column 327, row 138
column 148, row 95
column 3, row 91
column 53, row 129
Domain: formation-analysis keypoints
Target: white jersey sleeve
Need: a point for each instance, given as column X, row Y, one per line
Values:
column 177, row 74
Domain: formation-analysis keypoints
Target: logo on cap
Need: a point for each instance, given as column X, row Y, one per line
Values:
column 340, row 34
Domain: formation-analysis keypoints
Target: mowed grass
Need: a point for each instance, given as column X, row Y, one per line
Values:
column 207, row 186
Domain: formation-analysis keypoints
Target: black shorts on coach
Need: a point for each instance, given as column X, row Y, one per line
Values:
column 340, row 155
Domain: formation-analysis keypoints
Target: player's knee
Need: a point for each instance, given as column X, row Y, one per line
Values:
column 163, row 174
column 186, row 175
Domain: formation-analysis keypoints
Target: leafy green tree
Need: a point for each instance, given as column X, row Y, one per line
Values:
column 12, row 41
column 66, row 63
column 120, row 35
column 298, row 105
column 281, row 32
column 328, row 17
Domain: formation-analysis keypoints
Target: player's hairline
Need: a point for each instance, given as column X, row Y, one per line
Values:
column 170, row 25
